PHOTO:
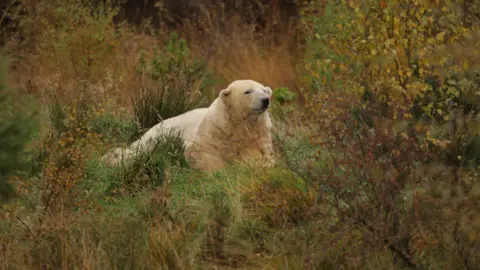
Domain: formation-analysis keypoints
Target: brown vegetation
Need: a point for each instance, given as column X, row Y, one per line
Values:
column 376, row 111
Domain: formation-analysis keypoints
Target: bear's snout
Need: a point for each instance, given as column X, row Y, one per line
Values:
column 265, row 103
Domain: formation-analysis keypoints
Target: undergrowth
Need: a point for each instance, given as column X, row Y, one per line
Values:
column 375, row 112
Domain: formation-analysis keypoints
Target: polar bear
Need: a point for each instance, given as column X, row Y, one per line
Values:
column 235, row 127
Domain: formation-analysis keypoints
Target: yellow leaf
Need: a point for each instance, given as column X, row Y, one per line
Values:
column 453, row 91
column 421, row 71
column 396, row 26
column 441, row 36
column 361, row 90
column 472, row 235
column 411, row 24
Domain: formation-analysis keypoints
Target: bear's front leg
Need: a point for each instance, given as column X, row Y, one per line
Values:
column 267, row 152
column 206, row 160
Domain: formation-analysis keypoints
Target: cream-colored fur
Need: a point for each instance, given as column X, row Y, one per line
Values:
column 235, row 127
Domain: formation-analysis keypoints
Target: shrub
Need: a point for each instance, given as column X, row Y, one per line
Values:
column 283, row 95
column 116, row 129
column 246, row 211
column 172, row 83
column 73, row 52
column 155, row 167
column 392, row 97
column 149, row 171
column 17, row 124
column 81, row 31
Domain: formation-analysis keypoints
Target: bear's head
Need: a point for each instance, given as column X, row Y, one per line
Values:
column 246, row 97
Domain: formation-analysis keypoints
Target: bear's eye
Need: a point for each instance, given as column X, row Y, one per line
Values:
column 249, row 91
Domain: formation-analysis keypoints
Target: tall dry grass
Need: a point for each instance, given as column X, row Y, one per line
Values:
column 60, row 56
column 83, row 67
column 235, row 50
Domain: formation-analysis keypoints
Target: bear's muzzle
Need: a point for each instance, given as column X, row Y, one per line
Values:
column 265, row 104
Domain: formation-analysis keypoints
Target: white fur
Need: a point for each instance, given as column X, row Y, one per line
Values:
column 234, row 127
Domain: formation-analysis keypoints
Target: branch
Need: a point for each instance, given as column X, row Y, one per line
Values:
column 405, row 257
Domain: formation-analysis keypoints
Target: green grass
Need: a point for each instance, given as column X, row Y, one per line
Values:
column 161, row 214
column 115, row 129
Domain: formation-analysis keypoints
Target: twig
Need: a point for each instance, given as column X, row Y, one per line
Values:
column 5, row 13
column 28, row 228
column 395, row 250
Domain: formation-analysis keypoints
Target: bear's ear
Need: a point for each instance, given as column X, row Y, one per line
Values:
column 269, row 91
column 225, row 93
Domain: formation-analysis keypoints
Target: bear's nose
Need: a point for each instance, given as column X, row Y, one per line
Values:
column 265, row 103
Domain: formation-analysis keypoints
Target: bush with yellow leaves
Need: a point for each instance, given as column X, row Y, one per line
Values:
column 393, row 92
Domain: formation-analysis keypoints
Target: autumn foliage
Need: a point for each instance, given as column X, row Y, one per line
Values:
column 376, row 110
column 394, row 96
